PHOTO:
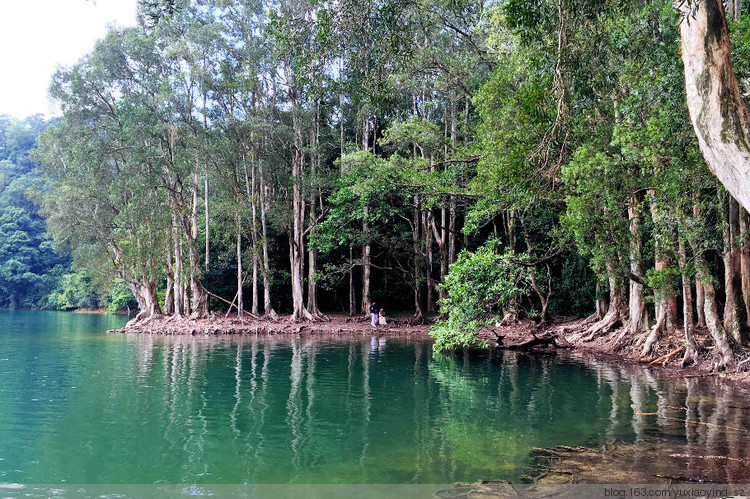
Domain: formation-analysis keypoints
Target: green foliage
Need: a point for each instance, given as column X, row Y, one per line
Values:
column 73, row 291
column 29, row 268
column 120, row 298
column 480, row 284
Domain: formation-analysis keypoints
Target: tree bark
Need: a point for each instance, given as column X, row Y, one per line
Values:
column 691, row 348
column 252, row 188
column 240, row 298
column 638, row 321
column 179, row 278
column 745, row 265
column 719, row 116
column 207, row 219
column 264, row 195
column 169, row 294
column 713, row 321
column 614, row 313
column 366, row 248
column 199, row 295
column 418, row 276
column 352, row 292
column 296, row 239
column 366, row 267
column 312, row 252
column 699, row 293
column 664, row 298
column 734, row 314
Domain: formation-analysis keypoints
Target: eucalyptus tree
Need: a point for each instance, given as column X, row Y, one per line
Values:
column 187, row 44
column 718, row 112
column 301, row 67
column 105, row 204
column 124, row 112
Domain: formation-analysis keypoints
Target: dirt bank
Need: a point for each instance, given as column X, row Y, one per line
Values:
column 219, row 325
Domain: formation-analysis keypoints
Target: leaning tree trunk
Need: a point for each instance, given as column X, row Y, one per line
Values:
column 719, row 115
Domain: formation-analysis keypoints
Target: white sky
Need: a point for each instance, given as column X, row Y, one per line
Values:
column 37, row 36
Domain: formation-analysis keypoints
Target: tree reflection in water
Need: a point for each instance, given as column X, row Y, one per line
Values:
column 271, row 410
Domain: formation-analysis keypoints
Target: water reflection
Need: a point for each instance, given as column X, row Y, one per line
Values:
column 312, row 410
column 147, row 409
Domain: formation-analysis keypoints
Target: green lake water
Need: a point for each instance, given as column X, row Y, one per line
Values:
column 79, row 405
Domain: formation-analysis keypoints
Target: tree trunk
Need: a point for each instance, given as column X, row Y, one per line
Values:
column 207, row 219
column 147, row 298
column 745, row 265
column 665, row 301
column 352, row 292
column 253, row 199
column 734, row 313
column 267, row 306
column 617, row 304
column 427, row 242
column 638, row 315
column 169, row 294
column 719, row 116
column 366, row 249
column 240, row 298
column 179, row 277
column 312, row 252
column 296, row 239
column 599, row 302
column 366, row 267
column 418, row 276
column 312, row 271
column 691, row 349
column 200, row 297
column 699, row 294
column 713, row 322
column 452, row 200
column 733, row 8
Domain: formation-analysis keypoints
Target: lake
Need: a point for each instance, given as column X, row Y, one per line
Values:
column 81, row 406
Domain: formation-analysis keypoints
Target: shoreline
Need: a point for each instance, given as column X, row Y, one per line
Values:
column 611, row 347
column 230, row 326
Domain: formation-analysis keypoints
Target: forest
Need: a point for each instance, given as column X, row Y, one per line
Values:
column 464, row 160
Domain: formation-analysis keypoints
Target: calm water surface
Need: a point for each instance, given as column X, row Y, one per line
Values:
column 78, row 405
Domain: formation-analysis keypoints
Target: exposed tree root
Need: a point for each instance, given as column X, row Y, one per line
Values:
column 691, row 354
column 604, row 326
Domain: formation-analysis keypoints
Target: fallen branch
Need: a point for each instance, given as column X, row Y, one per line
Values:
column 231, row 304
column 545, row 340
column 664, row 358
